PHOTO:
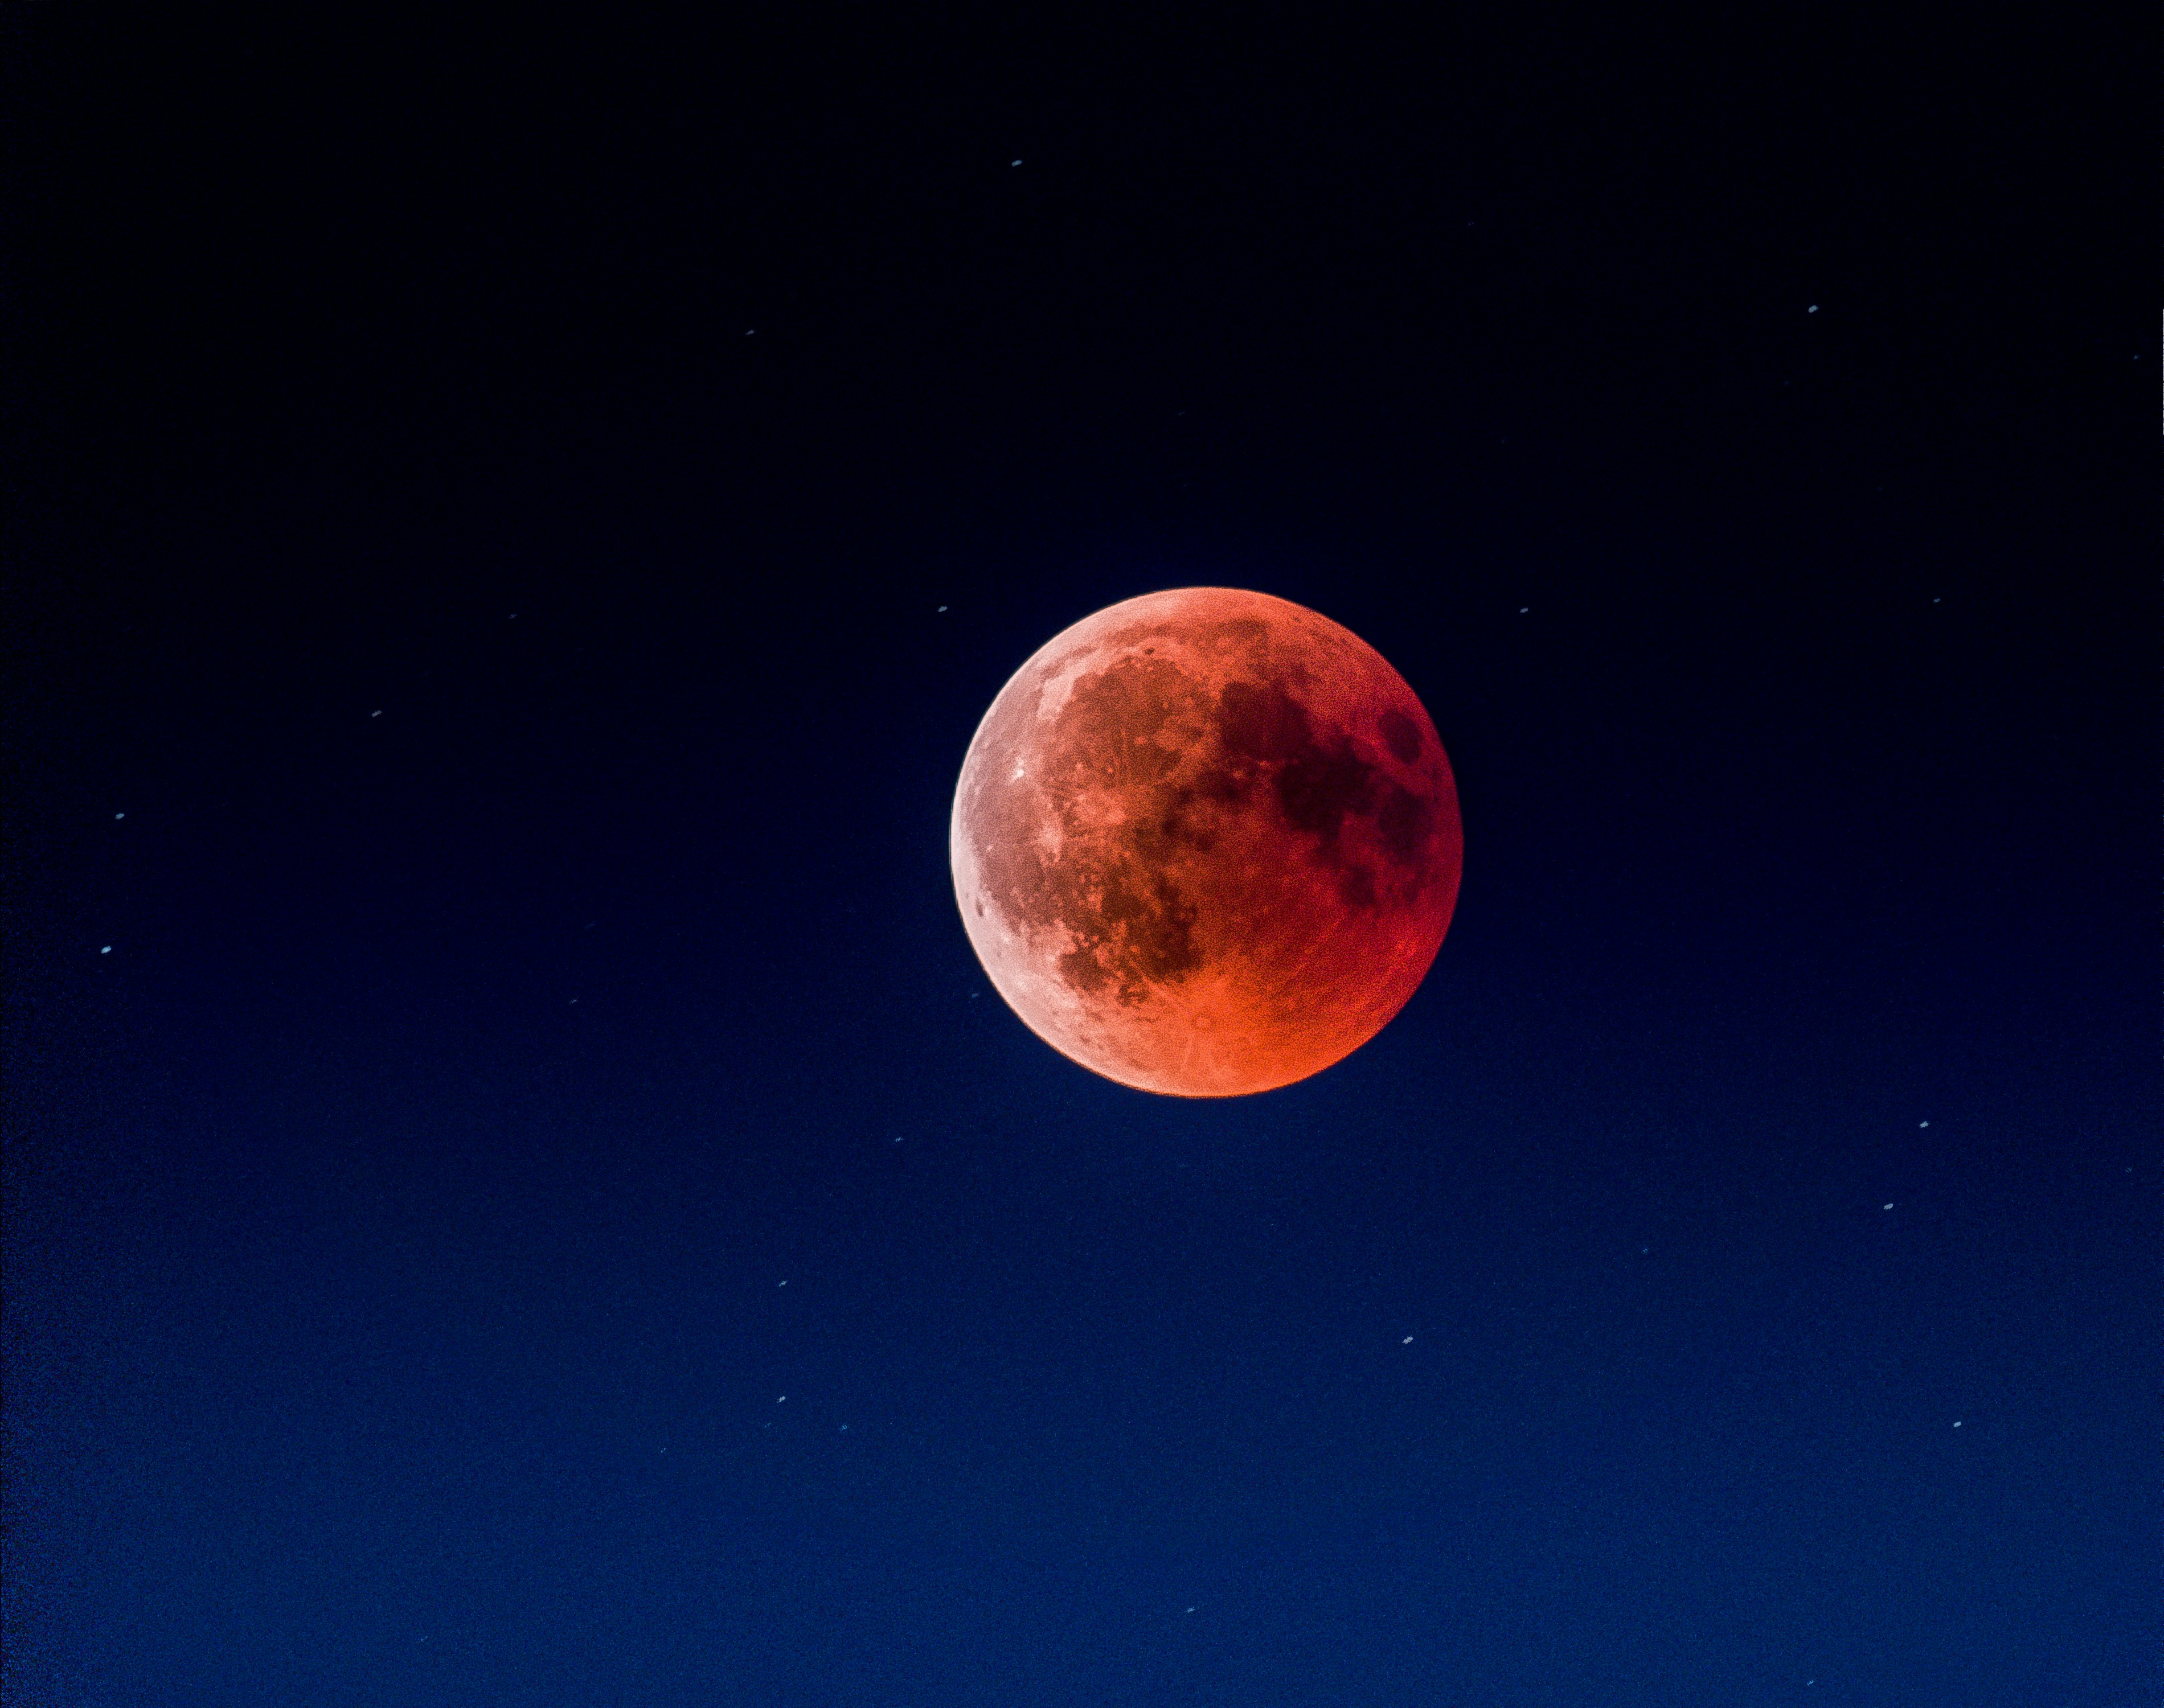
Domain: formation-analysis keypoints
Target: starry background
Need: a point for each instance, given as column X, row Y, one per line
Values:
column 517, row 1190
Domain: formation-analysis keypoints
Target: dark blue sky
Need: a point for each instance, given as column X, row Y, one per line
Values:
column 517, row 1190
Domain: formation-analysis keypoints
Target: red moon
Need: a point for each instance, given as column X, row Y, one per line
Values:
column 1206, row 842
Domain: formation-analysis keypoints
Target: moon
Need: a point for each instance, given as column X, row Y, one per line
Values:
column 1206, row 842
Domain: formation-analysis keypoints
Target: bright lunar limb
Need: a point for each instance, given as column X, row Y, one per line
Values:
column 1206, row 842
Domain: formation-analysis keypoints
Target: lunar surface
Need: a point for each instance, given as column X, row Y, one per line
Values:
column 1206, row 842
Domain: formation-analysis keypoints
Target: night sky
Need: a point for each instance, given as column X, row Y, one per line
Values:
column 518, row 1191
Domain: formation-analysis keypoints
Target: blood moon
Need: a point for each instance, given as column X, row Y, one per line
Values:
column 1206, row 842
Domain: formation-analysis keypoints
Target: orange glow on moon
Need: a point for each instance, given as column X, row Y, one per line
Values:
column 1206, row 842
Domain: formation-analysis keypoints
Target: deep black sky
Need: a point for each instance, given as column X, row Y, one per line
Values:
column 522, row 518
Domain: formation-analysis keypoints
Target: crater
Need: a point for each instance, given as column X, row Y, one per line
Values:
column 1401, row 735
